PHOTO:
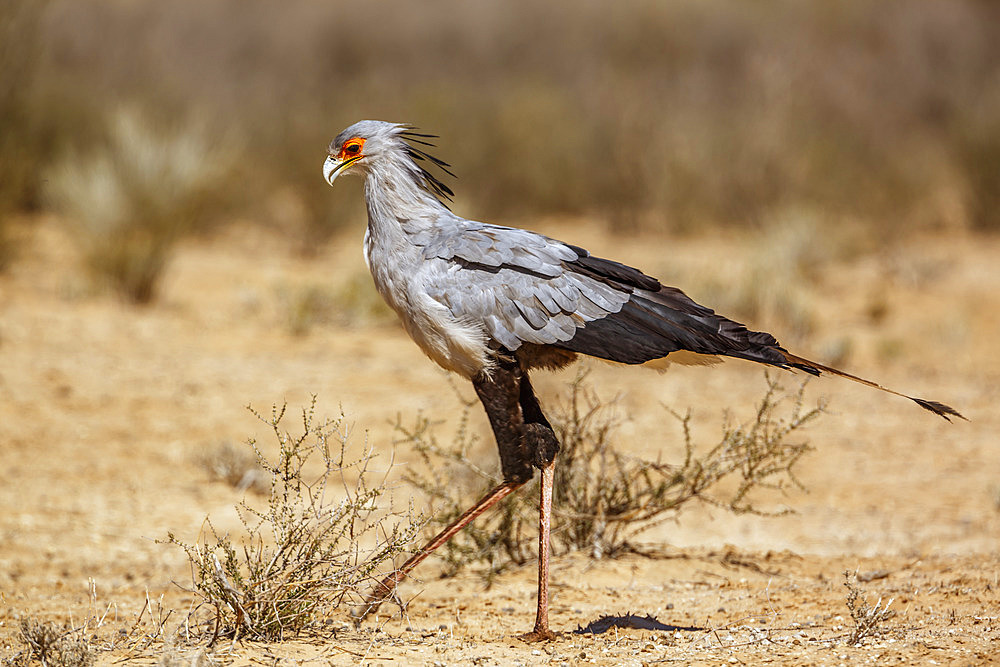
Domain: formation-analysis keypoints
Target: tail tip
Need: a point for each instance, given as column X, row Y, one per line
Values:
column 940, row 409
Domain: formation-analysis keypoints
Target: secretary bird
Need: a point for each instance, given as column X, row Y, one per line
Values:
column 492, row 303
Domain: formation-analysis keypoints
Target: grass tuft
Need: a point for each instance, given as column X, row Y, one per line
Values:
column 49, row 644
column 236, row 466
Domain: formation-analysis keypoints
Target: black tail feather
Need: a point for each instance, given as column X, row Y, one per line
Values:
column 940, row 409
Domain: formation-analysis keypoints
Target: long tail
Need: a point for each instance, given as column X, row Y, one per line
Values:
column 937, row 408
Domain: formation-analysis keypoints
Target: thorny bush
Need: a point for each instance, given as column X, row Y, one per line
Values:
column 326, row 532
column 604, row 499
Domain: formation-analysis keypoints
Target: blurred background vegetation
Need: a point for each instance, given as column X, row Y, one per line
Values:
column 672, row 117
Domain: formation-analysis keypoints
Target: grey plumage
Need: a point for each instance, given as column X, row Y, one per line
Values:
column 467, row 291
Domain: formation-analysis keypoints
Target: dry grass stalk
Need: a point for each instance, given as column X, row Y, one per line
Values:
column 73, row 645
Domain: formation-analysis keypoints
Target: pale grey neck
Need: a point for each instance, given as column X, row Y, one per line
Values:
column 393, row 193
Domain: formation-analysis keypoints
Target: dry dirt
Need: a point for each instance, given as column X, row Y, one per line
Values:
column 105, row 409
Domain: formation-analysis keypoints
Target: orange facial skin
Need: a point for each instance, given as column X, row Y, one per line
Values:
column 351, row 149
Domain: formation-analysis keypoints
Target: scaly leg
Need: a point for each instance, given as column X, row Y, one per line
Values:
column 387, row 586
column 541, row 631
column 544, row 447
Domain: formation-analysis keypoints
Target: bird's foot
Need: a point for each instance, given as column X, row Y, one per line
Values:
column 383, row 591
column 537, row 635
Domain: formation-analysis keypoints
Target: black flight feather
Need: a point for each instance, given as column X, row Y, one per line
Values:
column 658, row 320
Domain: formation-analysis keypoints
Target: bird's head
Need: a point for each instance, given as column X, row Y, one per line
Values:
column 374, row 144
column 354, row 149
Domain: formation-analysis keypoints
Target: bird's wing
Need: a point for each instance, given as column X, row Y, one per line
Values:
column 494, row 247
column 515, row 283
column 529, row 288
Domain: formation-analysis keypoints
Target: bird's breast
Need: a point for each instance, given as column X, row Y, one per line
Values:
column 402, row 276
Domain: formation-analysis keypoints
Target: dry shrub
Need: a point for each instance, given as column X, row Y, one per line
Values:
column 80, row 645
column 22, row 143
column 978, row 152
column 307, row 306
column 130, row 200
column 22, row 147
column 775, row 281
column 325, row 534
column 450, row 481
column 868, row 620
column 603, row 499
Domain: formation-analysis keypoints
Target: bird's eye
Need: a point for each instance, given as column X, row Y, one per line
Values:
column 351, row 149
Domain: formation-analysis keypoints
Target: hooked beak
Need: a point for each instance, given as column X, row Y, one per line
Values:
column 333, row 167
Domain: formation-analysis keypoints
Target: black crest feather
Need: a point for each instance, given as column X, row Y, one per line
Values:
column 419, row 156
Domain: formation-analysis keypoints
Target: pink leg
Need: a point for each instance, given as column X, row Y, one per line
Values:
column 541, row 631
column 387, row 586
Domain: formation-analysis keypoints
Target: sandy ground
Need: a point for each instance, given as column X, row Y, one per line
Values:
column 105, row 409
